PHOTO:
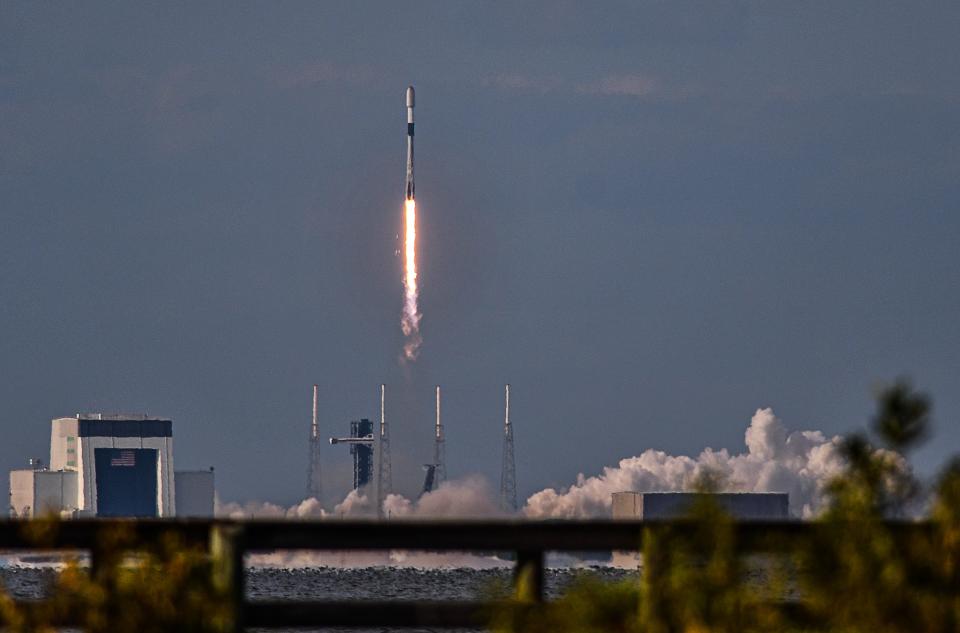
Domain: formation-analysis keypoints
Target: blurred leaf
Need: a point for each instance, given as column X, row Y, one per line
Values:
column 903, row 416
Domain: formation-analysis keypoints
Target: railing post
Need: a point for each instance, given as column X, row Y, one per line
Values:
column 528, row 576
column 226, row 557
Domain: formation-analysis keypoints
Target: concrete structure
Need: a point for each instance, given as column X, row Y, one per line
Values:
column 194, row 493
column 672, row 505
column 37, row 493
column 108, row 466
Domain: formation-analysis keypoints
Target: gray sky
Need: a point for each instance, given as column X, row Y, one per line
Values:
column 650, row 218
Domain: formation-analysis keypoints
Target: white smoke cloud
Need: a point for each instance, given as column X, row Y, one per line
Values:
column 798, row 463
column 355, row 505
column 249, row 510
column 470, row 497
column 466, row 498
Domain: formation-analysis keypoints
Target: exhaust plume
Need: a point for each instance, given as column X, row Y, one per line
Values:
column 410, row 321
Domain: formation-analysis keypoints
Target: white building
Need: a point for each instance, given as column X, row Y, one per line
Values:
column 42, row 493
column 107, row 466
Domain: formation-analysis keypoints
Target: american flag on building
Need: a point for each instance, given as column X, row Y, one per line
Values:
column 124, row 458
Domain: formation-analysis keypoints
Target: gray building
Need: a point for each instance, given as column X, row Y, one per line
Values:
column 673, row 505
column 676, row 505
column 194, row 491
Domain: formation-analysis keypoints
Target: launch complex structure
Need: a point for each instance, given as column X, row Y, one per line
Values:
column 366, row 445
column 372, row 460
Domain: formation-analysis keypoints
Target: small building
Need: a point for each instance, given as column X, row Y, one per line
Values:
column 41, row 492
column 194, row 493
column 673, row 505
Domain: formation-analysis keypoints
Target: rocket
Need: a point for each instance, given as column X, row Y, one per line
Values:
column 410, row 142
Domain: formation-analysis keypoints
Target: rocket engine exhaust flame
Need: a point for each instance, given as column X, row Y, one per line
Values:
column 410, row 322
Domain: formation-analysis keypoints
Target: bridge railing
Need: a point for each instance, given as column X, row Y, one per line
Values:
column 528, row 541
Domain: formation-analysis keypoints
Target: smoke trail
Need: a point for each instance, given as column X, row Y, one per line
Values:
column 410, row 322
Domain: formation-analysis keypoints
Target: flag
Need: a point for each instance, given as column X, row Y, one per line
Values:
column 124, row 458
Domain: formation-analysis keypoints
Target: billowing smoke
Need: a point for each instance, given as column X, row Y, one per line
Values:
column 470, row 497
column 466, row 498
column 800, row 463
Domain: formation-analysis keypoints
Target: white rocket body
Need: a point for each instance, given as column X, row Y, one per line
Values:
column 410, row 104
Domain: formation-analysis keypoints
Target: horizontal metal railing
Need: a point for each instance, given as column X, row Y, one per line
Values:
column 529, row 541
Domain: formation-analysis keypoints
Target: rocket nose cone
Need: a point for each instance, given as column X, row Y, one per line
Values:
column 410, row 103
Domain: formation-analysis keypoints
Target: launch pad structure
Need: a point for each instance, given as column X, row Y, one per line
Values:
column 364, row 443
column 361, row 443
column 436, row 471
column 367, row 443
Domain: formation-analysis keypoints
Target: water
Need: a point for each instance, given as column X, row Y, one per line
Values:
column 370, row 583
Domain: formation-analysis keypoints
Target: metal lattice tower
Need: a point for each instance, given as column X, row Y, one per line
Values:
column 439, row 452
column 314, row 484
column 508, row 472
column 384, row 467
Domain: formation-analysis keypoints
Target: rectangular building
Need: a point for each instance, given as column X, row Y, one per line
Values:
column 42, row 493
column 743, row 506
column 195, row 493
column 674, row 505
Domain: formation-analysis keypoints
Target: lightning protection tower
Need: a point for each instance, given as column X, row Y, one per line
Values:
column 314, row 487
column 384, row 468
column 508, row 471
column 439, row 452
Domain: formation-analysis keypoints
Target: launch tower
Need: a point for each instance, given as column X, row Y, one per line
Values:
column 435, row 473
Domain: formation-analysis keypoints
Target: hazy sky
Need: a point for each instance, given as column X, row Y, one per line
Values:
column 651, row 219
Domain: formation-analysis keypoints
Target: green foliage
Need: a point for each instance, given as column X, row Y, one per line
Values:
column 589, row 605
column 148, row 588
column 854, row 571
column 903, row 416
